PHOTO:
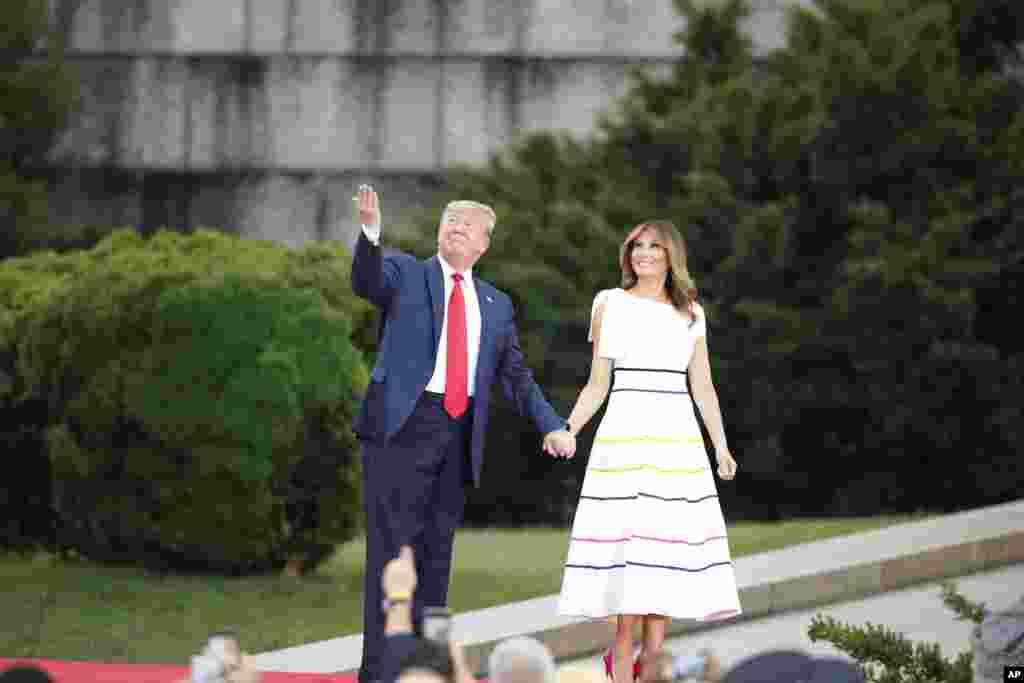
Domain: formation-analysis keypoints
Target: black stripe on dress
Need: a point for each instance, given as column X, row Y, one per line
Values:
column 674, row 372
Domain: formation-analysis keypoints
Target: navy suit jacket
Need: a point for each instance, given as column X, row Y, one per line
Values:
column 410, row 296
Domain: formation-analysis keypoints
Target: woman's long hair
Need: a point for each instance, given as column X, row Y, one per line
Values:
column 679, row 283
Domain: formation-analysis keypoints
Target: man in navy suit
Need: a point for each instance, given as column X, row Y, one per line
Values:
column 448, row 336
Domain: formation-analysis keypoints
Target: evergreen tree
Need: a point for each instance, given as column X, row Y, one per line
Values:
column 181, row 401
column 37, row 95
column 852, row 203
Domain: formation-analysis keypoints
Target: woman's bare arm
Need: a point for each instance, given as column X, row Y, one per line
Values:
column 705, row 396
column 595, row 391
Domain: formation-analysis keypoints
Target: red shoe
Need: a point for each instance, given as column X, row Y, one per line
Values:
column 608, row 666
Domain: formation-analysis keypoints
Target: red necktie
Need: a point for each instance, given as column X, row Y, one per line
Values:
column 456, row 387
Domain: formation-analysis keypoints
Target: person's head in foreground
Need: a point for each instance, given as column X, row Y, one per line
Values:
column 464, row 233
column 654, row 253
column 521, row 660
column 662, row 666
column 224, row 645
column 657, row 667
column 571, row 674
column 222, row 659
column 792, row 665
column 427, row 662
column 24, row 674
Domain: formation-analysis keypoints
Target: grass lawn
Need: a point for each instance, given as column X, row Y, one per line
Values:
column 84, row 611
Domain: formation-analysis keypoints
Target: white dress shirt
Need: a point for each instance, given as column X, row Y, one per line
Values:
column 473, row 323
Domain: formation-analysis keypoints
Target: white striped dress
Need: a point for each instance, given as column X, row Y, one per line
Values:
column 648, row 536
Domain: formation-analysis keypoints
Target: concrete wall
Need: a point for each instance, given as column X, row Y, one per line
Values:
column 260, row 116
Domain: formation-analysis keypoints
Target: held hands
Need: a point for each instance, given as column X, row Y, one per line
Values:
column 560, row 444
column 369, row 207
column 726, row 464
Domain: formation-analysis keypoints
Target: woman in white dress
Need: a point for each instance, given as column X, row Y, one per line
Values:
column 648, row 540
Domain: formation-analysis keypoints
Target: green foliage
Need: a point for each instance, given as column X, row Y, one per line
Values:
column 37, row 96
column 965, row 610
column 889, row 657
column 198, row 394
column 853, row 211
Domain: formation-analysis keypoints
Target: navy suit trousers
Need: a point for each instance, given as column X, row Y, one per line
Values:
column 414, row 492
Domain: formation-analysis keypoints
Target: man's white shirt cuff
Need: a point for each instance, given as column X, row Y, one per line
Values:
column 372, row 234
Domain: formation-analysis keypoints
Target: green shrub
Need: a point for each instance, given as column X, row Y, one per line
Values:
column 199, row 391
column 889, row 657
column 26, row 515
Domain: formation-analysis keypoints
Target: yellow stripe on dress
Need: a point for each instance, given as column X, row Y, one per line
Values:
column 637, row 468
column 649, row 439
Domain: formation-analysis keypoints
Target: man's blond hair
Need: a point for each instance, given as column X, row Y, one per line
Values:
column 461, row 204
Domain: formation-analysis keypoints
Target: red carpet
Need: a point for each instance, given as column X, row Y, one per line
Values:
column 95, row 672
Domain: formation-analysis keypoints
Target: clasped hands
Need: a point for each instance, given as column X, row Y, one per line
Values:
column 560, row 444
